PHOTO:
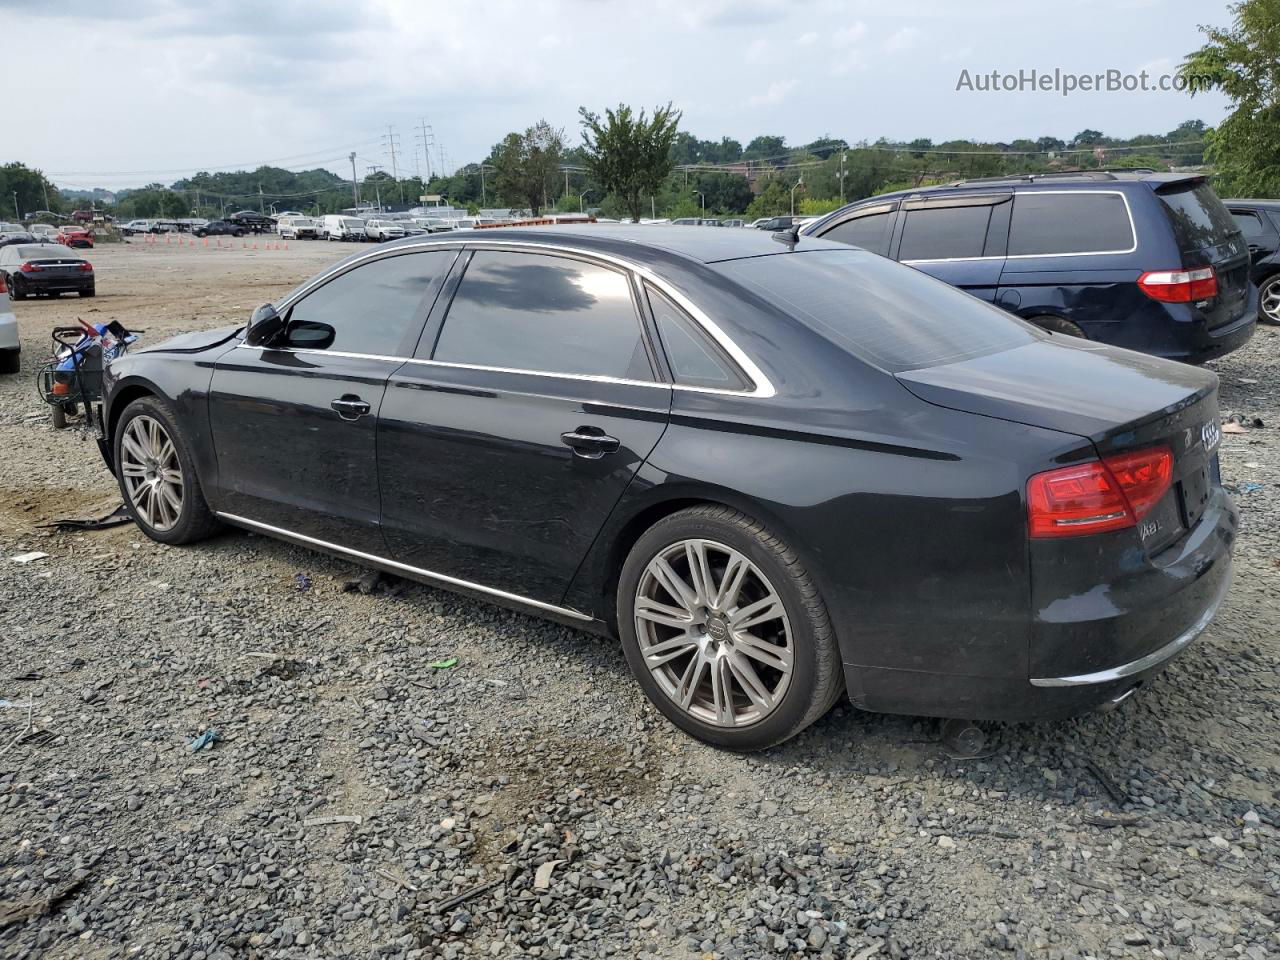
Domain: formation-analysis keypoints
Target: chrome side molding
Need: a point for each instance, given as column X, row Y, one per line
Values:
column 429, row 575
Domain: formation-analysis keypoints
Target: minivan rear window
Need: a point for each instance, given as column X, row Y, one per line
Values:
column 1198, row 216
column 891, row 315
column 1044, row 224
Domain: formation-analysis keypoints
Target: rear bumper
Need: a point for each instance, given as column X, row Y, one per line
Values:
column 1089, row 647
column 38, row 284
column 1199, row 344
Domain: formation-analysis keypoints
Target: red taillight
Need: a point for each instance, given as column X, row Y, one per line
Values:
column 86, row 267
column 1108, row 494
column 3, row 288
column 30, row 268
column 1179, row 286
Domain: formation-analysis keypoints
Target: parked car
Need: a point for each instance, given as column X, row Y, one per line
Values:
column 135, row 227
column 380, row 230
column 75, row 237
column 14, row 233
column 44, row 268
column 758, row 222
column 1149, row 261
column 1259, row 221
column 774, row 224
column 84, row 216
column 334, row 226
column 220, row 228
column 775, row 471
column 411, row 229
column 44, row 233
column 10, row 343
column 252, row 221
column 686, row 222
column 297, row 227
column 733, row 223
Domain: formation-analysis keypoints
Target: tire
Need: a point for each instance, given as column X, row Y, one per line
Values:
column 10, row 361
column 19, row 289
column 1056, row 324
column 89, row 292
column 1270, row 291
column 238, row 233
column 794, row 664
column 58, row 416
column 143, row 460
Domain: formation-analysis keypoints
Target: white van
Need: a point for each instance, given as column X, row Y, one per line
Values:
column 334, row 226
column 296, row 227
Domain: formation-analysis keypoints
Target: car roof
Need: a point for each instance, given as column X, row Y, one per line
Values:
column 1249, row 202
column 625, row 240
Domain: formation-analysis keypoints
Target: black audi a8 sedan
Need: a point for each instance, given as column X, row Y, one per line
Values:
column 775, row 470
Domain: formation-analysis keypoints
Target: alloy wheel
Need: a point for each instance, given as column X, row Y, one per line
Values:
column 152, row 472
column 1269, row 300
column 714, row 633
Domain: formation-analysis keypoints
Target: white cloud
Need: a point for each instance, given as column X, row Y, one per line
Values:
column 846, row 36
column 774, row 95
column 900, row 40
column 805, row 39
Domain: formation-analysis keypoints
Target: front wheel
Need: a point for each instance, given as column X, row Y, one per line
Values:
column 10, row 361
column 157, row 475
column 725, row 631
column 1269, row 300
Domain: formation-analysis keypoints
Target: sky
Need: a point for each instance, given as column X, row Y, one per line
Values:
column 152, row 90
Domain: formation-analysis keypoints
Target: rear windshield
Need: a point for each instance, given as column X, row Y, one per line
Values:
column 890, row 315
column 1198, row 216
column 46, row 251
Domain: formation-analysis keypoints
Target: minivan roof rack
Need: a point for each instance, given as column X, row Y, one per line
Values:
column 1105, row 173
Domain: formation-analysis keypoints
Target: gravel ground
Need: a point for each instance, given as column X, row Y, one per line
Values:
column 526, row 801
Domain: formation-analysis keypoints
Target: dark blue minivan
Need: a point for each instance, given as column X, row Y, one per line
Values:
column 1149, row 261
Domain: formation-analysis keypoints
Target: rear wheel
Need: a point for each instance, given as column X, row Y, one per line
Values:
column 1056, row 324
column 89, row 292
column 18, row 290
column 157, row 475
column 58, row 416
column 10, row 361
column 1269, row 300
column 725, row 631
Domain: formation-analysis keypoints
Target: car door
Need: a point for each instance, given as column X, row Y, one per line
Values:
column 294, row 424
column 533, row 401
column 1260, row 235
column 958, row 239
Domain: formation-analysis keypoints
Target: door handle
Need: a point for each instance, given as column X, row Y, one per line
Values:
column 590, row 445
column 349, row 407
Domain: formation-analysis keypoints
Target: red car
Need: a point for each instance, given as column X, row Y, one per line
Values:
column 75, row 237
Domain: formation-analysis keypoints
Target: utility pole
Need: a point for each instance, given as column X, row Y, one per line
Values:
column 355, row 183
column 16, row 211
column 566, row 183
column 377, row 187
column 842, row 158
column 799, row 184
column 261, row 208
column 426, row 138
column 45, row 184
column 390, row 140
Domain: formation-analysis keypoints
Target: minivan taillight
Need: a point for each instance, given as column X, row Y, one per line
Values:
column 1179, row 286
column 1108, row 494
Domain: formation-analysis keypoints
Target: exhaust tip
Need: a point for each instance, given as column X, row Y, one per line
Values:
column 1114, row 702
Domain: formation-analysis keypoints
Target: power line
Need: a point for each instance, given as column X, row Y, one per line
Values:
column 216, row 168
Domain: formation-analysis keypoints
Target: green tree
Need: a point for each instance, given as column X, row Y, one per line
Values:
column 31, row 186
column 629, row 154
column 1243, row 61
column 528, row 165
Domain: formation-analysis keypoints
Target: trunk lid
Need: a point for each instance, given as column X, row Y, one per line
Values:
column 1117, row 399
column 1207, row 236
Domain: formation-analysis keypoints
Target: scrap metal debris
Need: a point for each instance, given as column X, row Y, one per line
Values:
column 469, row 894
column 117, row 517
column 31, row 557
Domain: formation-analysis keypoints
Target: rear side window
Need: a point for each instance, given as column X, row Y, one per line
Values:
column 1044, row 224
column 944, row 233
column 695, row 360
column 870, row 232
column 544, row 314
column 1198, row 216
column 888, row 314
column 373, row 307
column 1250, row 224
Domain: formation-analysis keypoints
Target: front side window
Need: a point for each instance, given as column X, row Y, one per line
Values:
column 372, row 307
column 869, row 232
column 944, row 233
column 1249, row 223
column 544, row 314
column 1045, row 224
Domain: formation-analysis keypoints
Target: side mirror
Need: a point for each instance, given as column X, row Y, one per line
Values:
column 264, row 326
column 310, row 335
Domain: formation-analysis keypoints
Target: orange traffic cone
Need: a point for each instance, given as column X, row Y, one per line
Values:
column 206, row 241
column 286, row 244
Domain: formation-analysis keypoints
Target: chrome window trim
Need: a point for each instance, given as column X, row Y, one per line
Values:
column 416, row 571
column 1133, row 232
column 762, row 388
column 1157, row 657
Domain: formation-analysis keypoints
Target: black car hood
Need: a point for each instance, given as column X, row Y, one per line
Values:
column 194, row 342
column 1063, row 383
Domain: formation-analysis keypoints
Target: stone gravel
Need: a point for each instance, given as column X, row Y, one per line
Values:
column 527, row 801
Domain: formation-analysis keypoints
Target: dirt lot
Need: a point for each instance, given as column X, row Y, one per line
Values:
column 527, row 802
